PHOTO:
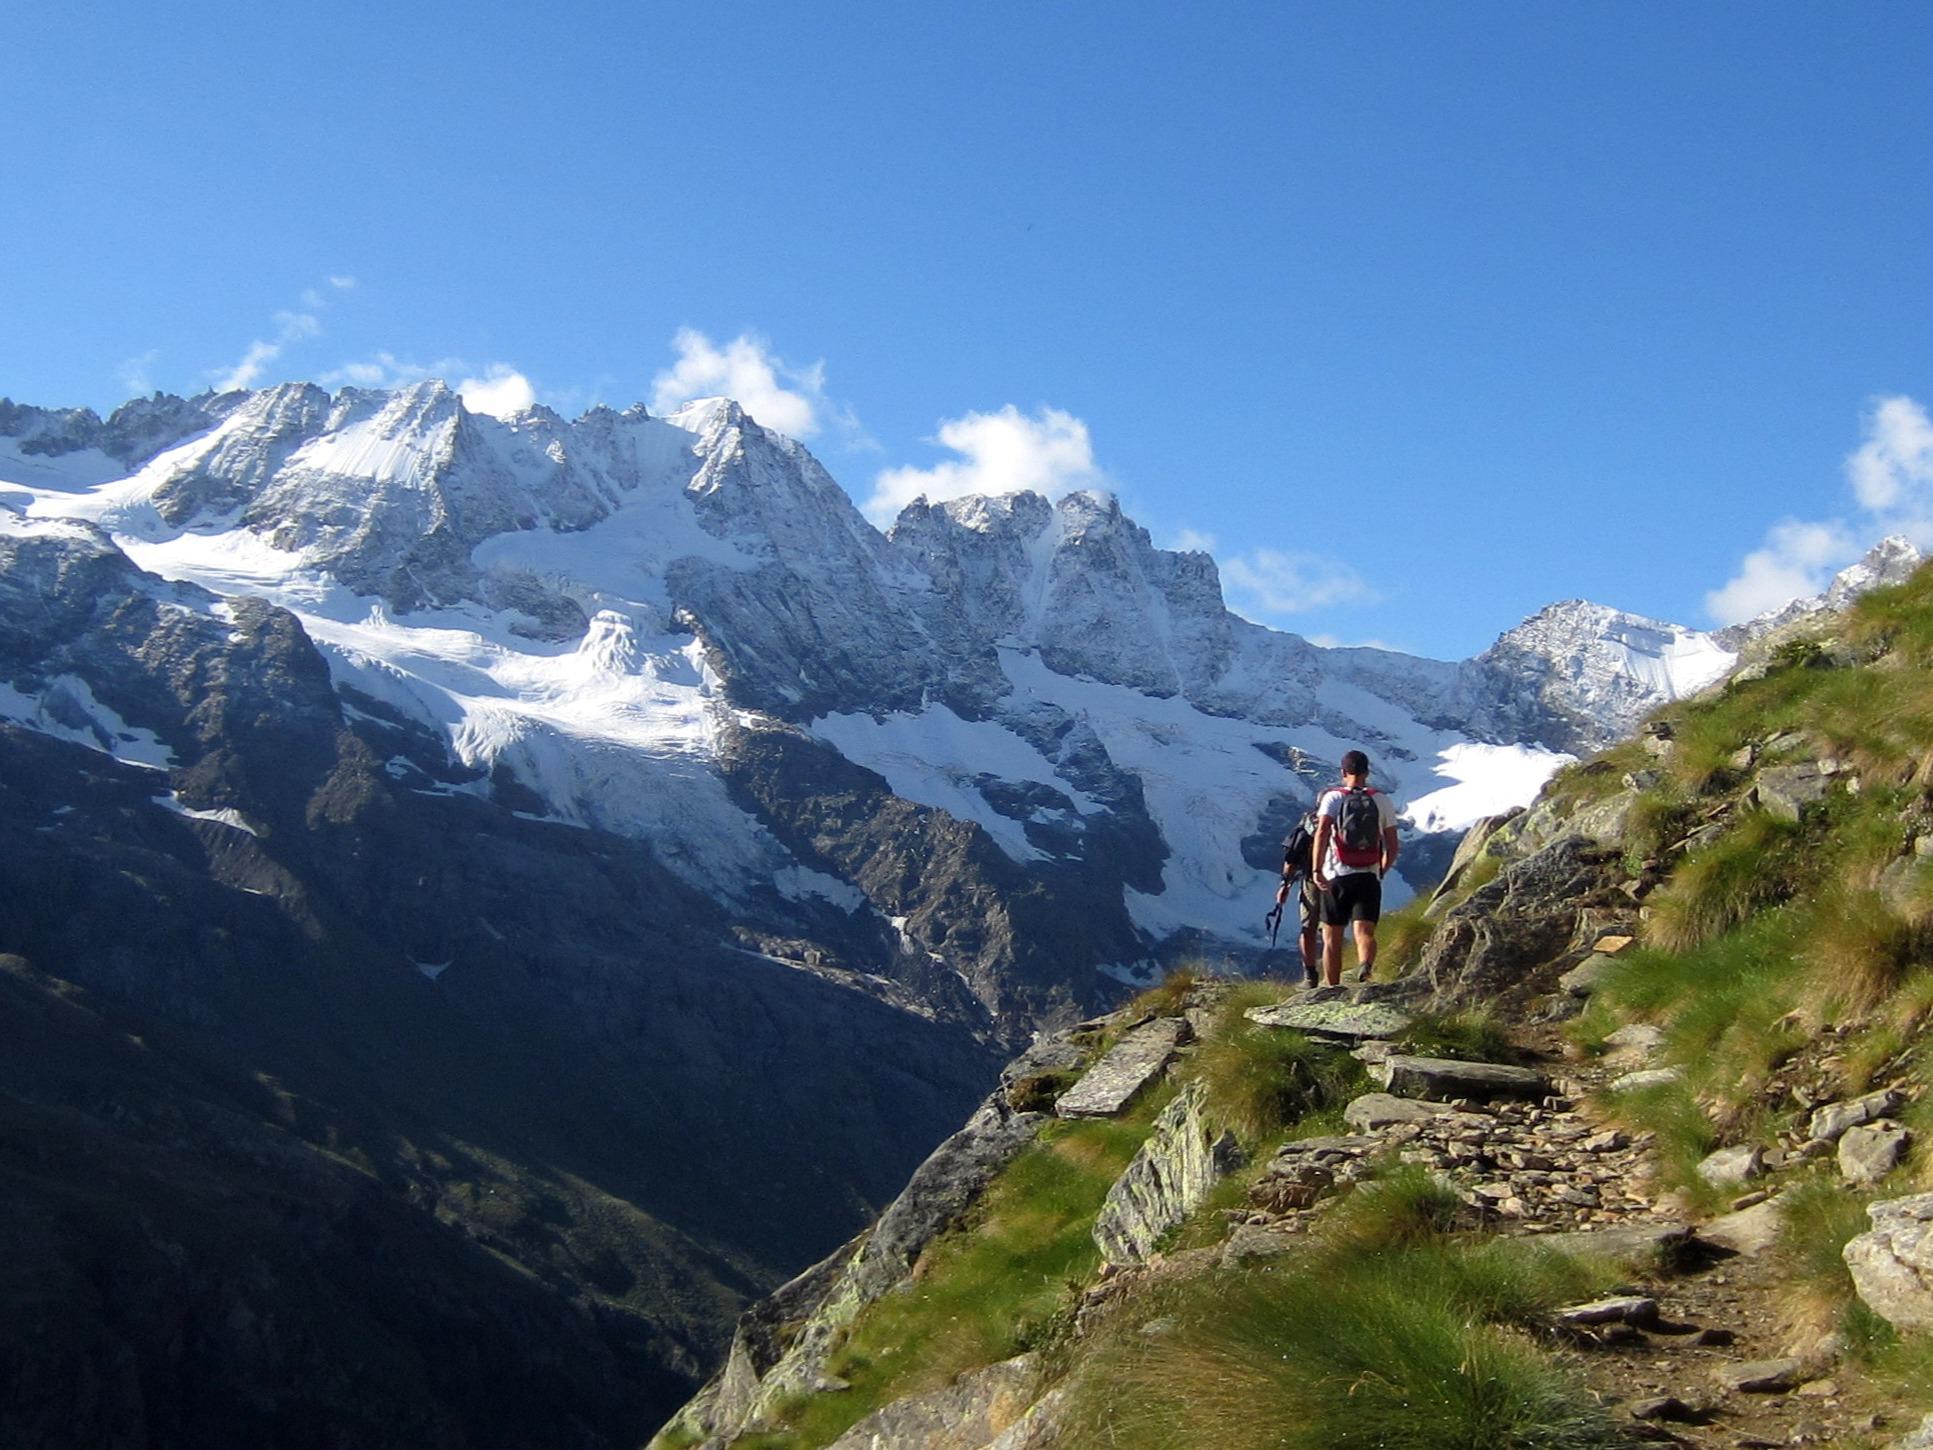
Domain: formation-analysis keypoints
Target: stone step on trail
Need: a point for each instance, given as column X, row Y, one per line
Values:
column 1439, row 1079
column 1352, row 1021
column 1632, row 1245
column 1380, row 1110
column 1106, row 1089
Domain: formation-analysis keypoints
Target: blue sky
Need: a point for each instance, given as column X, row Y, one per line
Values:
column 1424, row 315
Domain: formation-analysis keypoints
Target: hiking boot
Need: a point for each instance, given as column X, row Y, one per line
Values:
column 1311, row 978
column 1362, row 973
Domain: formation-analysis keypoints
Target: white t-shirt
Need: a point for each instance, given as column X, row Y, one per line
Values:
column 1329, row 809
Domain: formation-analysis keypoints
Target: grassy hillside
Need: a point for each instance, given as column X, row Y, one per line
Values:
column 1771, row 844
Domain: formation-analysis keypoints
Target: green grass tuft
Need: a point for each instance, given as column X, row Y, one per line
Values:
column 1472, row 1035
column 1346, row 1351
column 1754, row 865
column 1261, row 1080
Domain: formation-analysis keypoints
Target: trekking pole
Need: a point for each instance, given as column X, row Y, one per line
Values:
column 1273, row 921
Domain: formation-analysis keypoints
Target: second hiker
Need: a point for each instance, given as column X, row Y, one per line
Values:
column 1355, row 844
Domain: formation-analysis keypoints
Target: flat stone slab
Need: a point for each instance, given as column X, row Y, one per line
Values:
column 1651, row 1077
column 1635, row 1309
column 1106, row 1089
column 1441, row 1078
column 1636, row 1037
column 1728, row 1167
column 1750, row 1231
column 1588, row 975
column 1380, row 1110
column 1634, row 1244
column 1259, row 1241
column 1610, row 946
column 1761, row 1376
column 1352, row 1020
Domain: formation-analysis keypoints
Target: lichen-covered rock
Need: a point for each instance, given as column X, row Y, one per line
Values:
column 966, row 1415
column 1107, row 1088
column 1788, row 791
column 1468, row 850
column 1892, row 1264
column 1166, row 1181
column 1353, row 1020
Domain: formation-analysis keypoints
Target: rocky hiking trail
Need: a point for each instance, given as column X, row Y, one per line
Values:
column 1694, row 1348
column 1697, row 1351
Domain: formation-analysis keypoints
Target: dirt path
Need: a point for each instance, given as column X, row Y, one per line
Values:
column 1717, row 1311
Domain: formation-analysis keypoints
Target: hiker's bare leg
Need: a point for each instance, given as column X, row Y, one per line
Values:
column 1311, row 949
column 1331, row 954
column 1365, row 945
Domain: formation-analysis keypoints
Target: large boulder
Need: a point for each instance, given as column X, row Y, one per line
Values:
column 1168, row 1178
column 1892, row 1265
column 1499, row 944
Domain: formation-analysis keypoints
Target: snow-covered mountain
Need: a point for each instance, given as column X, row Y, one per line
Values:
column 627, row 623
column 1889, row 561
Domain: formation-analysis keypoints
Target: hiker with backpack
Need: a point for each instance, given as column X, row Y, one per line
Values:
column 1298, row 864
column 1355, row 845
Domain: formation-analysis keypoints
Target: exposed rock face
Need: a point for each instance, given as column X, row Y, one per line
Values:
column 782, row 1343
column 967, row 1415
column 1892, row 1264
column 1487, row 948
column 1168, row 1178
column 1564, row 676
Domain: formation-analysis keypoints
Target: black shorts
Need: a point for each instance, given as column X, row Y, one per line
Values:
column 1353, row 896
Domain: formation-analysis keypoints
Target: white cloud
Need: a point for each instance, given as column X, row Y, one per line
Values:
column 1193, row 541
column 1798, row 559
column 135, row 373
column 499, row 389
column 1003, row 452
column 386, row 370
column 343, row 284
column 777, row 395
column 1892, row 471
column 290, row 327
column 243, row 375
column 1890, row 476
column 501, row 392
column 1277, row 581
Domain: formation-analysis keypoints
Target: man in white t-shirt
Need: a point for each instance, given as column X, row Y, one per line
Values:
column 1355, row 844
